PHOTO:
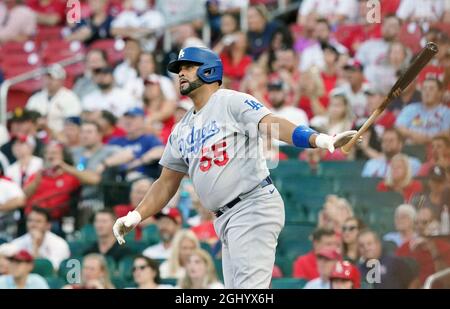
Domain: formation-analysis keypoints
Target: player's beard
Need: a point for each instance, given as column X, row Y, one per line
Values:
column 192, row 86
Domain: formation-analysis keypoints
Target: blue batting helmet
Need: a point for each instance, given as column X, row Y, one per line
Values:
column 208, row 60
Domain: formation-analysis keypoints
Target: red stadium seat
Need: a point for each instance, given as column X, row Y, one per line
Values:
column 45, row 34
column 113, row 48
column 55, row 51
column 19, row 59
column 411, row 39
column 18, row 47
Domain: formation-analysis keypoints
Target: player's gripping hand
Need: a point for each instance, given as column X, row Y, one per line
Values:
column 329, row 142
column 125, row 224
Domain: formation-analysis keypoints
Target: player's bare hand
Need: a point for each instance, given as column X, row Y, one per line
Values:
column 125, row 224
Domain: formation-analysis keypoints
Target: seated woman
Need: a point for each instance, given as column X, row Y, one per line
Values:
column 200, row 272
column 184, row 243
column 146, row 274
column 400, row 179
column 94, row 274
column 52, row 188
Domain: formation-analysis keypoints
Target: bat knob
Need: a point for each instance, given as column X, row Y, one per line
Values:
column 432, row 46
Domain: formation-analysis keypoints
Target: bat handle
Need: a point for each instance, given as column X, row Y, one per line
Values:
column 347, row 147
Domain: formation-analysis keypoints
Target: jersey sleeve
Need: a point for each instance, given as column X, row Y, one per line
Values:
column 172, row 158
column 246, row 109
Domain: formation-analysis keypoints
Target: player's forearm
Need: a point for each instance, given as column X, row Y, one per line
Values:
column 282, row 129
column 13, row 204
column 155, row 199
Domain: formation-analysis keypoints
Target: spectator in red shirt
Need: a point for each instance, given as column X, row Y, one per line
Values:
column 400, row 179
column 440, row 154
column 431, row 254
column 305, row 266
column 159, row 110
column 234, row 58
column 49, row 12
column 52, row 188
column 138, row 190
column 330, row 73
column 108, row 123
column 313, row 99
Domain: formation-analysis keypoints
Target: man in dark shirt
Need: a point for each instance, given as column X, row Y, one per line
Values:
column 380, row 271
column 106, row 243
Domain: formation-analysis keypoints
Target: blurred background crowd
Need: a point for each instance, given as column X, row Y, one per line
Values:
column 86, row 108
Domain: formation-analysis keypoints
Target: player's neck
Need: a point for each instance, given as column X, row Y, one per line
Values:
column 201, row 96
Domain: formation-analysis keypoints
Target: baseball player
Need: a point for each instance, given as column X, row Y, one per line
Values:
column 218, row 144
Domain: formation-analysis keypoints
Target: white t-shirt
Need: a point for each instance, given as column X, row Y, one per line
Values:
column 358, row 100
column 151, row 19
column 53, row 248
column 372, row 52
column 123, row 73
column 294, row 114
column 15, row 172
column 63, row 104
column 117, row 101
column 329, row 8
column 164, row 271
column 157, row 251
column 423, row 10
column 9, row 190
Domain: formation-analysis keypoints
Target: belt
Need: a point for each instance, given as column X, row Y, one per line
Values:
column 267, row 181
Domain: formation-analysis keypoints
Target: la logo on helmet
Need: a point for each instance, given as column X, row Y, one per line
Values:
column 181, row 54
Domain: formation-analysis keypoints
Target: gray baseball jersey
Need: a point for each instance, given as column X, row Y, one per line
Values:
column 220, row 147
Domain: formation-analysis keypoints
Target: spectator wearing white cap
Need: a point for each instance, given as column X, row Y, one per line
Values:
column 55, row 101
column 20, row 277
column 26, row 164
column 108, row 96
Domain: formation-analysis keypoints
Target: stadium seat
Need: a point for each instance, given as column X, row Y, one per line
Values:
column 43, row 267
column 113, row 49
column 418, row 151
column 55, row 51
column 340, row 168
column 219, row 270
column 294, row 240
column 291, row 151
column 169, row 281
column 136, row 247
column 125, row 268
column 205, row 246
column 55, row 282
column 290, row 167
column 115, row 193
column 285, row 264
column 77, row 247
column 150, row 234
column 87, row 234
column 120, row 283
column 47, row 33
column 288, row 283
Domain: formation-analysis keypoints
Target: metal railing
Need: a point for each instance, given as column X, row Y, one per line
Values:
column 436, row 276
column 7, row 84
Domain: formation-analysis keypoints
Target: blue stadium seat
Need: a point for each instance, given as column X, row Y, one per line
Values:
column 340, row 168
column 169, row 281
column 55, row 282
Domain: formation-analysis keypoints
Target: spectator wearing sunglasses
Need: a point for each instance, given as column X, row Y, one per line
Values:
column 146, row 274
column 20, row 276
column 350, row 231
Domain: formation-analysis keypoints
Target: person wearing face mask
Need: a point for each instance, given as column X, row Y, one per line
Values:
column 109, row 96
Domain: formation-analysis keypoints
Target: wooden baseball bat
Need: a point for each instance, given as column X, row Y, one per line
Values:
column 404, row 80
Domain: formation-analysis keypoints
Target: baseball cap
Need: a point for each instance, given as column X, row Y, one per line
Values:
column 22, row 115
column 135, row 112
column 23, row 256
column 353, row 64
column 171, row 213
column 346, row 271
column 8, row 250
column 56, row 71
column 330, row 254
column 437, row 173
column 73, row 120
column 152, row 79
column 28, row 139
